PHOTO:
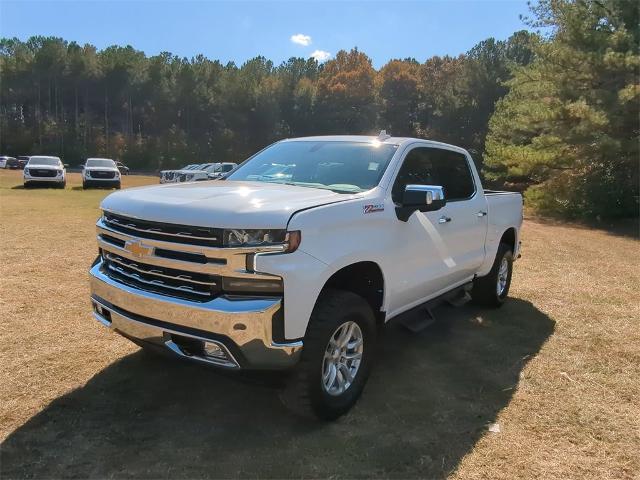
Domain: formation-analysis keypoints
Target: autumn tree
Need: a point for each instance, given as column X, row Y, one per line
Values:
column 346, row 94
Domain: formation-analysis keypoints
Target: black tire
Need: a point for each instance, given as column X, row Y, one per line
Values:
column 485, row 289
column 305, row 393
column 118, row 186
column 63, row 185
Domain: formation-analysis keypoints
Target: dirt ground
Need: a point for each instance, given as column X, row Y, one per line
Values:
column 556, row 370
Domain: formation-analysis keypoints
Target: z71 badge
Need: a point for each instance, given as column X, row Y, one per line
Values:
column 374, row 208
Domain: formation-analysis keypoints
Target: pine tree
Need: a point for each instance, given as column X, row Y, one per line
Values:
column 568, row 128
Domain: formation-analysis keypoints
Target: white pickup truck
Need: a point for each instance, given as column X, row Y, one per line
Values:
column 293, row 260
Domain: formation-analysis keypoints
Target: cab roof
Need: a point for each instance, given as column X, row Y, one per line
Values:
column 372, row 138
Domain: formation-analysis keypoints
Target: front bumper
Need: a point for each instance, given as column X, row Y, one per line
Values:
column 30, row 179
column 100, row 182
column 240, row 326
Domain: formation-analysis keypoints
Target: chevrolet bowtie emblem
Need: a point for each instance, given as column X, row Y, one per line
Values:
column 138, row 248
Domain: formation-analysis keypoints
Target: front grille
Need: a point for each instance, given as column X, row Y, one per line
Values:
column 101, row 174
column 166, row 281
column 169, row 232
column 36, row 172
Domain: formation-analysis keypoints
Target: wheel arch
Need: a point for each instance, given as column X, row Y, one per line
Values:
column 510, row 237
column 364, row 278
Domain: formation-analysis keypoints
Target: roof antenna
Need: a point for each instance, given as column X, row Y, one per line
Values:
column 382, row 136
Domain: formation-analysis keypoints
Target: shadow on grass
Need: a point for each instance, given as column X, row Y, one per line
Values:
column 49, row 186
column 624, row 227
column 428, row 401
column 81, row 188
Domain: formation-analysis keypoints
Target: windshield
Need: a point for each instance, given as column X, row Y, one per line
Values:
column 51, row 161
column 100, row 162
column 344, row 167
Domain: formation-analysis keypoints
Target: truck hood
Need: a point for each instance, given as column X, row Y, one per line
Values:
column 44, row 167
column 220, row 204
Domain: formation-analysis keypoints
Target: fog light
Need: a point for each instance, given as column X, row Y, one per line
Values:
column 213, row 350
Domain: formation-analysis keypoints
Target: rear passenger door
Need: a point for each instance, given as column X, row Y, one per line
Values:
column 462, row 222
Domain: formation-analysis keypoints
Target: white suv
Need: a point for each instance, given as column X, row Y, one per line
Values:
column 100, row 172
column 44, row 170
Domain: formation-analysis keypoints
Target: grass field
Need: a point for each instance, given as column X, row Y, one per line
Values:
column 557, row 368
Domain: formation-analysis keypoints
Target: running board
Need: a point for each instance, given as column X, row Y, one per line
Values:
column 416, row 323
column 421, row 317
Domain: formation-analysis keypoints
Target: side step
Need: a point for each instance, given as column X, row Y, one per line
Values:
column 459, row 299
column 416, row 322
column 422, row 317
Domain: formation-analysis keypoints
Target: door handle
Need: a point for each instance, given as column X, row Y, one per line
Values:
column 444, row 219
column 481, row 214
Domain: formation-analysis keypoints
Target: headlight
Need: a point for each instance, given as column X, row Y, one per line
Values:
column 87, row 174
column 26, row 171
column 250, row 238
column 59, row 173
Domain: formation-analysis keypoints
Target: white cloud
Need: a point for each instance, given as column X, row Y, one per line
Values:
column 301, row 39
column 320, row 55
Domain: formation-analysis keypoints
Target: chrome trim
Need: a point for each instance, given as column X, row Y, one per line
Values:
column 134, row 266
column 158, row 231
column 118, row 324
column 157, row 283
column 245, row 321
column 234, row 258
column 171, row 345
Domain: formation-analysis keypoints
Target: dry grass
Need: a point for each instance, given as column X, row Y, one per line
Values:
column 558, row 368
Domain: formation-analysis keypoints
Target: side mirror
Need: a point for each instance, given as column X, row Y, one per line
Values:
column 424, row 198
column 66, row 165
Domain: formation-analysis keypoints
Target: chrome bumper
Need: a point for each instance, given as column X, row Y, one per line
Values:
column 240, row 326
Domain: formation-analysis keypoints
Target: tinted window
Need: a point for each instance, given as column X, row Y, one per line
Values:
column 435, row 166
column 100, row 162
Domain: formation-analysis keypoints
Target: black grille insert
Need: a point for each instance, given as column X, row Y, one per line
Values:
column 101, row 173
column 42, row 172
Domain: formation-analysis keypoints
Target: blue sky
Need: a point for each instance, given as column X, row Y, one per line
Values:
column 239, row 30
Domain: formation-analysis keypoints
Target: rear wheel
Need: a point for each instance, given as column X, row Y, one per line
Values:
column 337, row 357
column 493, row 289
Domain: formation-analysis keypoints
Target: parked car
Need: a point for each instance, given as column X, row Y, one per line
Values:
column 100, row 172
column 22, row 161
column 168, row 176
column 42, row 170
column 218, row 170
column 297, row 272
column 122, row 168
column 7, row 162
column 207, row 171
column 190, row 173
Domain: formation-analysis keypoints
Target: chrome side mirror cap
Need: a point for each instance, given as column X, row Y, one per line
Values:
column 423, row 198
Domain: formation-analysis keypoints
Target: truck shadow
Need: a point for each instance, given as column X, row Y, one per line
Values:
column 428, row 401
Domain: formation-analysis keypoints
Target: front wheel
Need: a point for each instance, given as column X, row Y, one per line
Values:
column 492, row 289
column 337, row 357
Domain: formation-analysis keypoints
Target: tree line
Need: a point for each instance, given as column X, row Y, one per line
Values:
column 553, row 114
